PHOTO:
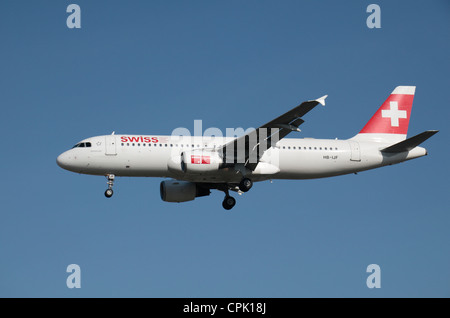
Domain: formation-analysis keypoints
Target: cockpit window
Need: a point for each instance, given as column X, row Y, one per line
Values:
column 82, row 145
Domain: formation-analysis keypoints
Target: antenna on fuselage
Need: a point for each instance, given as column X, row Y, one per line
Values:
column 113, row 133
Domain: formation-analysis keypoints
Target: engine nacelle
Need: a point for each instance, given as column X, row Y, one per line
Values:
column 195, row 162
column 200, row 161
column 181, row 191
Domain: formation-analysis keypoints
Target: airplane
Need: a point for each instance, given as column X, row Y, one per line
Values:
column 198, row 164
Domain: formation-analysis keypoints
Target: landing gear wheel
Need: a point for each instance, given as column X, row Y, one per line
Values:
column 228, row 203
column 245, row 185
column 109, row 193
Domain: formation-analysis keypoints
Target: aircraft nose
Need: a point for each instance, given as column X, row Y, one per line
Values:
column 63, row 160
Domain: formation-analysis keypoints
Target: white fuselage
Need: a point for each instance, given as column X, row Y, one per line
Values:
column 149, row 156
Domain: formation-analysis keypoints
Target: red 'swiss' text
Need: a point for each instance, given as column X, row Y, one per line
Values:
column 139, row 139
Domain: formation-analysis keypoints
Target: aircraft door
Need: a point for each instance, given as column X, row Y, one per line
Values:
column 355, row 151
column 110, row 145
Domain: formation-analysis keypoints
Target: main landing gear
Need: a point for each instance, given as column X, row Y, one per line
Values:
column 245, row 184
column 109, row 192
column 229, row 202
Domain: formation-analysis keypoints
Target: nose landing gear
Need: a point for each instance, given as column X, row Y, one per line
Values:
column 109, row 192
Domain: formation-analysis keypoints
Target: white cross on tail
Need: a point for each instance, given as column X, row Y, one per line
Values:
column 394, row 114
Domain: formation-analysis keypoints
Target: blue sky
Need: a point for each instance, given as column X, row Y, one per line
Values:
column 147, row 67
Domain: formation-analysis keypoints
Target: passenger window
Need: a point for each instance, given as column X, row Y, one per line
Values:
column 320, row 148
column 132, row 144
column 128, row 143
column 310, row 148
column 315, row 148
column 326, row 148
column 289, row 147
column 139, row 145
column 160, row 145
column 122, row 143
column 165, row 145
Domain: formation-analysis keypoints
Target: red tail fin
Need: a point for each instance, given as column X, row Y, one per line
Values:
column 392, row 119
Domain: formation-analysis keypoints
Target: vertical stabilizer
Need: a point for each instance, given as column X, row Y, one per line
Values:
column 390, row 122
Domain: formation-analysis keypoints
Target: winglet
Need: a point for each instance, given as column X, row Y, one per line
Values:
column 321, row 100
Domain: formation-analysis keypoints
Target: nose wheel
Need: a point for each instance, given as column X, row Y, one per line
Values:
column 109, row 192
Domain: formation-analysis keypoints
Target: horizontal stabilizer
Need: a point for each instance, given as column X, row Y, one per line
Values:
column 410, row 143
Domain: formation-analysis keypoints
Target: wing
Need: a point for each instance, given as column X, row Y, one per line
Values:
column 249, row 148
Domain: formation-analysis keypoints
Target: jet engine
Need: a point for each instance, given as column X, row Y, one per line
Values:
column 195, row 162
column 181, row 191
